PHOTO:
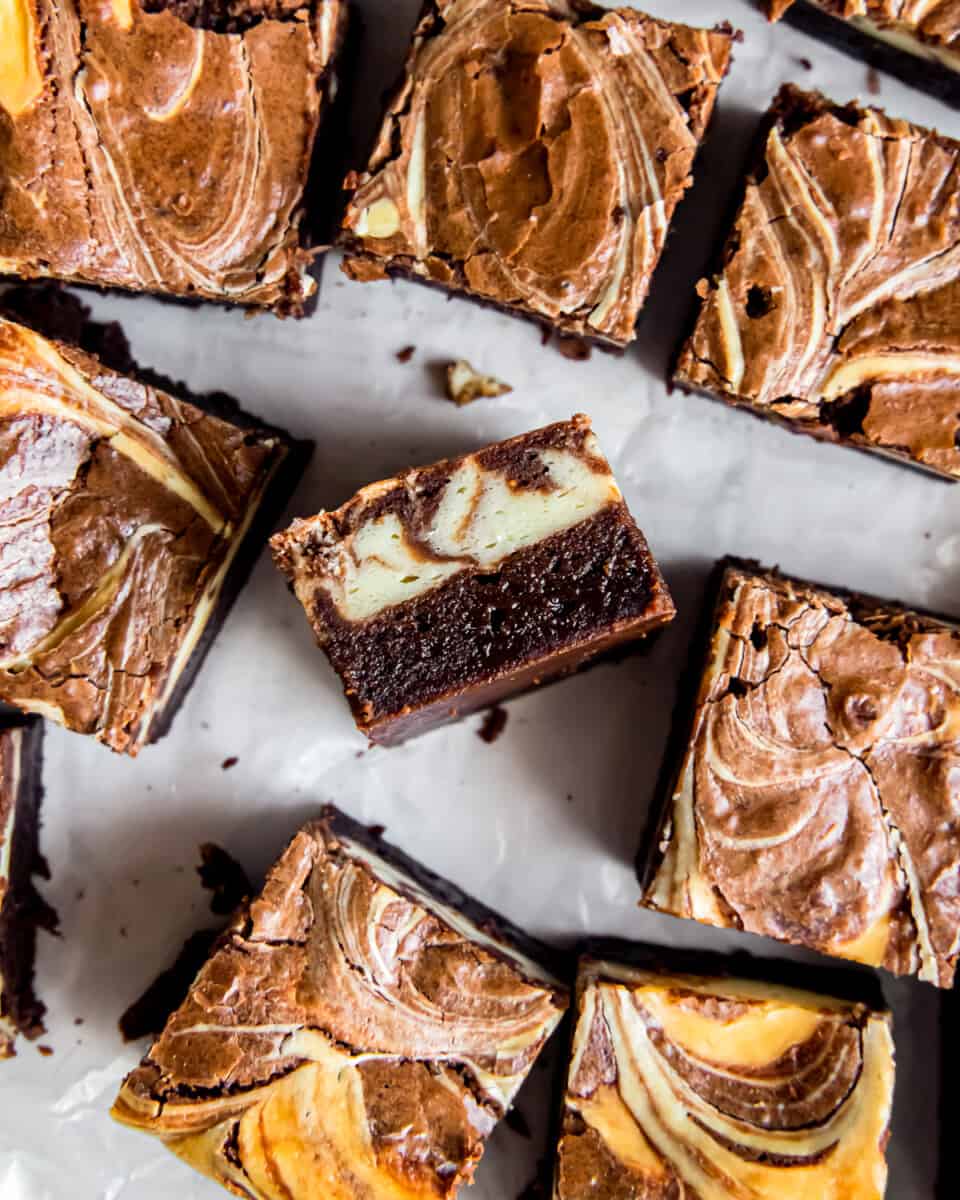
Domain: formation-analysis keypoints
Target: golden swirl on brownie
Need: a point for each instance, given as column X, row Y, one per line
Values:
column 721, row 1089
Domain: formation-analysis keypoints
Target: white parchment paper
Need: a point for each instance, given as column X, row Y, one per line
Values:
column 542, row 825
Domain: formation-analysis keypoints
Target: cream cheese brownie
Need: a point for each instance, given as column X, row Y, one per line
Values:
column 359, row 1031
column 813, row 800
column 449, row 587
column 128, row 521
column 533, row 156
column 681, row 1085
column 20, row 908
column 919, row 40
column 164, row 146
column 836, row 310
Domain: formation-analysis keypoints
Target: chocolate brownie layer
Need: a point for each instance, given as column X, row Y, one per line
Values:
column 919, row 40
column 718, row 1087
column 20, row 907
column 812, row 801
column 836, row 308
column 129, row 520
column 164, row 150
column 533, row 156
column 452, row 586
column 351, row 1034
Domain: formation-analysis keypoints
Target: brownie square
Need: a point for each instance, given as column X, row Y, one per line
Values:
column 919, row 42
column 533, row 157
column 164, row 147
column 359, row 1030
column 722, row 1087
column 450, row 587
column 21, row 910
column 128, row 522
column 812, row 798
column 836, row 309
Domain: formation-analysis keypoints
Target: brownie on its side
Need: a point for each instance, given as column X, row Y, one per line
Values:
column 165, row 146
column 359, row 1031
column 813, row 800
column 918, row 40
column 533, row 157
column 20, row 791
column 684, row 1085
column 128, row 521
column 453, row 586
column 836, row 310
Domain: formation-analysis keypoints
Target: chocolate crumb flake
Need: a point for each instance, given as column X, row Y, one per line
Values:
column 494, row 723
column 464, row 384
column 45, row 1050
column 229, row 762
column 574, row 348
column 404, row 355
column 224, row 877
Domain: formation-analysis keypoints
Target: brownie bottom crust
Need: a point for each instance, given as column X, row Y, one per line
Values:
column 545, row 612
column 918, row 70
column 21, row 908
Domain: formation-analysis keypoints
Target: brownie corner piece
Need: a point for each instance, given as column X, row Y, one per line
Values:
column 809, row 799
column 453, row 586
column 689, row 1082
column 835, row 310
column 174, row 140
column 533, row 156
column 359, row 1030
column 129, row 522
column 21, row 909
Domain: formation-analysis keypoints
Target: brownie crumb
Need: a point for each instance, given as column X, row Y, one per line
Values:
column 804, row 62
column 45, row 1050
column 229, row 762
column 78, row 1020
column 147, row 1015
column 224, row 877
column 464, row 384
column 494, row 723
column 404, row 355
column 574, row 348
column 516, row 1121
column 873, row 81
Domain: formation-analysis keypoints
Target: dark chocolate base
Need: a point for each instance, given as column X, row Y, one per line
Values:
column 56, row 313
column 553, row 960
column 861, row 604
column 23, row 909
column 822, row 434
column 927, row 75
column 480, row 637
column 548, row 328
column 845, row 981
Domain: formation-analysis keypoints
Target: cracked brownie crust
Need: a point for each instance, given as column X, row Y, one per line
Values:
column 21, row 909
column 533, row 157
column 354, row 1033
column 836, row 310
column 124, row 517
column 681, row 1085
column 453, row 586
column 163, row 150
column 813, row 802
